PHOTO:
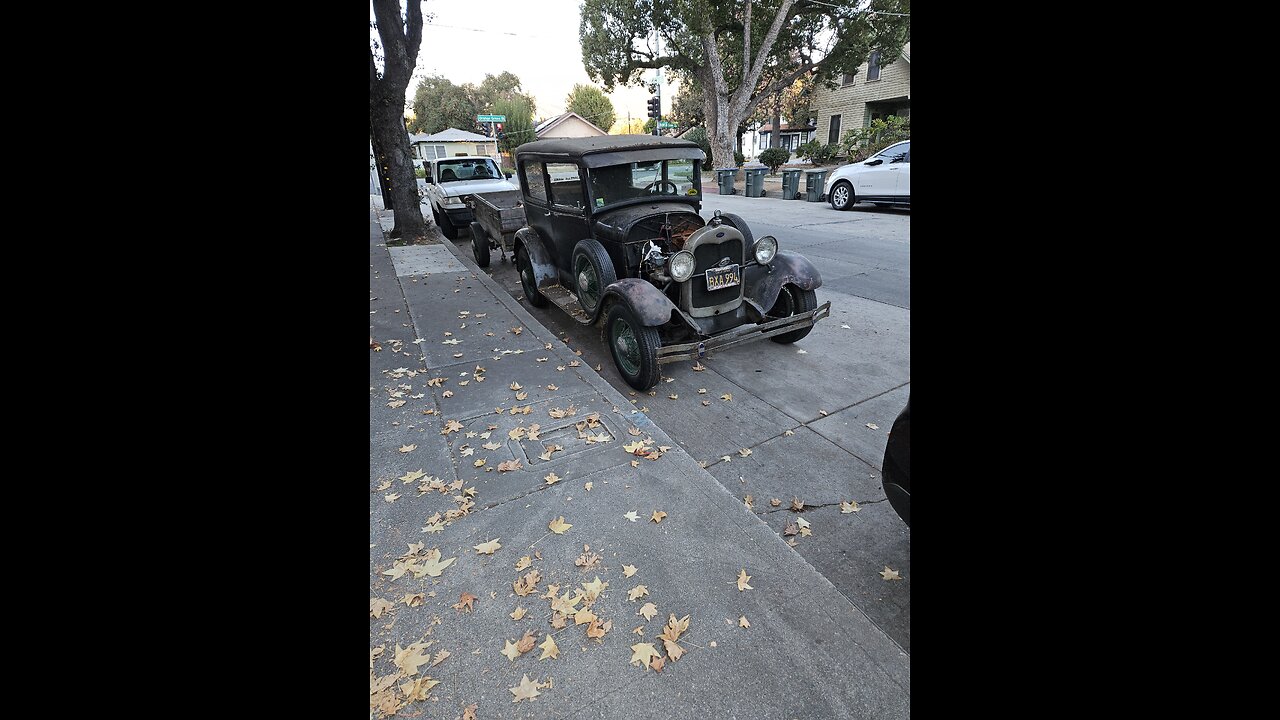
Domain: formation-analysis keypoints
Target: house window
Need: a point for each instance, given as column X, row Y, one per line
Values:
column 873, row 66
column 480, row 149
column 848, row 79
column 834, row 135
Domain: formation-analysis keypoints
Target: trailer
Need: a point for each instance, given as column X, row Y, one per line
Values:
column 498, row 215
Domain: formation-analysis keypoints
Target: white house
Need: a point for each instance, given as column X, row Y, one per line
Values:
column 451, row 142
column 567, row 125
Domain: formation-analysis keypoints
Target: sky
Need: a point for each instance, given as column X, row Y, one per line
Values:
column 535, row 40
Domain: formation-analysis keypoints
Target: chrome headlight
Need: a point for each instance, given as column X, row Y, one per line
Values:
column 680, row 266
column 451, row 200
column 766, row 247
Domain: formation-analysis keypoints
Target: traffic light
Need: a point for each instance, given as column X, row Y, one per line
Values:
column 499, row 134
column 655, row 110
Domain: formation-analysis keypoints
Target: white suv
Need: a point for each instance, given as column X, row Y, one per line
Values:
column 883, row 179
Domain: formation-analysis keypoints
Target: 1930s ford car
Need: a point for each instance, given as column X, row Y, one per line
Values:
column 613, row 233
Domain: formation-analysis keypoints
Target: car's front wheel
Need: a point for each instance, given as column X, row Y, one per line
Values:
column 527, row 281
column 446, row 226
column 592, row 273
column 634, row 347
column 842, row 195
column 793, row 301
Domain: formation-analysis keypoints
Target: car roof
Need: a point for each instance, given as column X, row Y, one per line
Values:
column 465, row 157
column 578, row 147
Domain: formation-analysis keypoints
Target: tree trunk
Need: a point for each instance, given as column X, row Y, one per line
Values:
column 386, row 119
column 380, row 161
column 775, row 138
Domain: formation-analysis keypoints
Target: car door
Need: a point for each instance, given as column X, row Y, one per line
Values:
column 537, row 206
column 879, row 175
column 568, row 203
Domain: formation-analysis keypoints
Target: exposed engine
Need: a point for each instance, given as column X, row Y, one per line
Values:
column 663, row 236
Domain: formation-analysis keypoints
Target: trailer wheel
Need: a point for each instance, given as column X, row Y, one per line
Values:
column 479, row 244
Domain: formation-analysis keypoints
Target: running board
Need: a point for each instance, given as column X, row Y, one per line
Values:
column 566, row 301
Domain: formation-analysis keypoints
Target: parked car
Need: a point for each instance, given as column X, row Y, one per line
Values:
column 614, row 238
column 451, row 181
column 895, row 474
column 883, row 179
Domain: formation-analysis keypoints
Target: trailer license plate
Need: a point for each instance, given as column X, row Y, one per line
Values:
column 721, row 278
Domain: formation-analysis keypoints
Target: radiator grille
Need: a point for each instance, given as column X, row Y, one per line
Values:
column 706, row 256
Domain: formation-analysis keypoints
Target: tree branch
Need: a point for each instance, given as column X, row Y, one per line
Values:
column 746, row 45
column 777, row 85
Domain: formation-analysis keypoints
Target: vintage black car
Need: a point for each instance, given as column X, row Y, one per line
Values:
column 613, row 233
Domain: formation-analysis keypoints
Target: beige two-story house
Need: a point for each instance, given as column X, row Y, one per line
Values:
column 872, row 92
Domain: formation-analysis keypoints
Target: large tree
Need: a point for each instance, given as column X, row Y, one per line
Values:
column 518, row 127
column 439, row 104
column 398, row 53
column 740, row 51
column 591, row 104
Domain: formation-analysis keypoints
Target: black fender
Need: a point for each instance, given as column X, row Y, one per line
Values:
column 544, row 271
column 762, row 284
column 647, row 302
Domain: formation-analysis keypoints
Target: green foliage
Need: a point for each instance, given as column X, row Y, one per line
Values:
column 861, row 143
column 699, row 135
column 775, row 158
column 518, row 128
column 738, row 159
column 438, row 104
column 420, row 172
column 592, row 105
column 818, row 152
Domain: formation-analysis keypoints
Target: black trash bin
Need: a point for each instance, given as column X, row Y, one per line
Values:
column 791, row 184
column 813, row 181
column 755, row 181
column 726, row 178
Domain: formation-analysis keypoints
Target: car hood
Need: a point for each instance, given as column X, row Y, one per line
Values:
column 473, row 187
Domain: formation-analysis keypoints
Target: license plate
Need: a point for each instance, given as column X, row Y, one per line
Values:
column 721, row 278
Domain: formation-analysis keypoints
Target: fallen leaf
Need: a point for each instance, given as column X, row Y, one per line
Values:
column 822, row 413
column 742, row 622
column 418, row 689
column 673, row 396
column 526, row 642
column 788, row 432
column 469, row 712
column 648, row 610
column 638, row 630
column 775, row 502
column 509, row 649
column 488, row 548
column 408, row 448
column 849, row 507
column 657, row 516
column 873, row 426
column 524, row 562
column 413, row 600
column 392, row 497
column 698, row 367
column 464, row 603
column 744, row 452
column 588, row 486
column 637, row 592
column 509, row 465
column 479, row 463
column 440, row 657
column 518, row 614
column 797, row 504
column 527, row 690
column 790, row 529
column 583, row 616
column 593, row 589
column 447, row 393
column 706, row 403
column 516, row 386
column 553, row 387
column 658, row 664
column 888, row 574
column 702, row 391
column 635, row 463
column 558, row 526
column 435, row 567
column 408, row 659
column 596, row 631
column 643, row 653
column 377, row 606
column 629, row 570
column 549, row 649
column 522, row 395
column 552, row 478
column 632, row 516
column 743, row 577
column 802, row 522
column 727, row 397
column 451, row 426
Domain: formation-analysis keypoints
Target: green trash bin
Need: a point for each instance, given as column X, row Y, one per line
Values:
column 791, row 184
column 726, row 178
column 755, row 181
column 813, row 182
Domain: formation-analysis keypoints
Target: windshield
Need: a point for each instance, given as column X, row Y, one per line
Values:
column 655, row 178
column 467, row 169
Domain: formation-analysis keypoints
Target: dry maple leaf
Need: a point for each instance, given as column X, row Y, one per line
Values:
column 528, row 584
column 469, row 712
column 408, row 448
column 744, row 452
column 743, row 577
column 552, row 387
column 698, row 367
column 587, row 560
column 588, row 486
column 637, row 592
column 742, row 622
column 516, row 386
column 802, row 523
column 413, row 600
column 375, row 345
column 658, row 664
column 849, row 507
column 564, row 605
column 509, row 649
column 447, row 393
column 727, row 397
column 509, row 465
column 648, row 610
column 643, row 653
column 775, row 502
column 396, row 571
column 888, row 574
column 527, row 690
column 558, row 526
column 632, row 516
column 596, row 631
column 488, row 548
column 526, row 642
column 638, row 630
column 524, row 562
column 480, row 462
column 549, row 649
column 593, row 589
column 521, row 396
column 552, row 478
column 518, row 614
column 657, row 516
column 410, row 477
column 790, row 529
column 392, row 497
column 583, row 616
column 557, row 621
column 673, row 396
column 408, row 659
column 629, row 570
column 377, row 606
column 418, row 689
column 635, row 463
column 440, row 657
column 797, row 504
column 464, row 602
column 491, row 446
column 451, row 426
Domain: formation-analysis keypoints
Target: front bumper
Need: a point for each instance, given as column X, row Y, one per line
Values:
column 742, row 334
column 460, row 216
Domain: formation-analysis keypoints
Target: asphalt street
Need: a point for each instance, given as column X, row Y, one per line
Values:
column 807, row 422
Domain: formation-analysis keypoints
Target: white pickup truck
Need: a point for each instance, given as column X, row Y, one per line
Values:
column 452, row 181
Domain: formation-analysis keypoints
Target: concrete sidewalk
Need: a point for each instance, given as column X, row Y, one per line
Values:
column 453, row 345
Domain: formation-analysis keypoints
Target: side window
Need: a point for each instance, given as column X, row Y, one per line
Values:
column 897, row 153
column 873, row 66
column 534, row 180
column 566, row 185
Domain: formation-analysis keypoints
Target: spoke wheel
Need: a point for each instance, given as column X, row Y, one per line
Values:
column 634, row 348
column 592, row 273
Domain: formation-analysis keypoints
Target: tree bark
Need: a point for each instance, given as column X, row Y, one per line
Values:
column 400, row 40
column 380, row 161
column 775, row 138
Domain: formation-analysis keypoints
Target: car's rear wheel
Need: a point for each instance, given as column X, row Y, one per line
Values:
column 592, row 273
column 479, row 244
column 634, row 347
column 842, row 195
column 793, row 301
column 527, row 281
column 741, row 226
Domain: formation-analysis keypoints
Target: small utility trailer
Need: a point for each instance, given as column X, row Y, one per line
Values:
column 498, row 216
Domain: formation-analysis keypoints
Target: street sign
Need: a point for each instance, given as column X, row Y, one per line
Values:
column 666, row 125
column 491, row 118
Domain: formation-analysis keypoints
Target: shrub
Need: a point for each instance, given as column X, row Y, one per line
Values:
column 861, row 143
column 808, row 149
column 420, row 172
column 738, row 158
column 699, row 136
column 774, row 158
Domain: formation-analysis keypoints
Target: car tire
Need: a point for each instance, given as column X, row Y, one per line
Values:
column 793, row 301
column 592, row 273
column 447, row 227
column 842, row 197
column 527, row 281
column 480, row 244
column 736, row 222
column 633, row 346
